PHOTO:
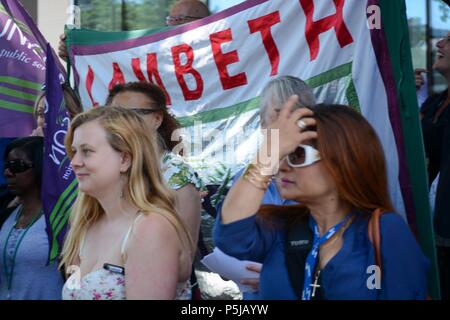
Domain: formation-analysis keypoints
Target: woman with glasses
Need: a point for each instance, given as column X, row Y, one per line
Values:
column 149, row 101
column 320, row 249
column 24, row 244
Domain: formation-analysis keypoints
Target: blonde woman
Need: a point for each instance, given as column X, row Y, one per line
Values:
column 125, row 235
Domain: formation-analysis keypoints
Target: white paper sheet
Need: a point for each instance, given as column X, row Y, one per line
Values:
column 230, row 268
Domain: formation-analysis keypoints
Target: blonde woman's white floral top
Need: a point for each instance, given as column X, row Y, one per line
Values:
column 104, row 284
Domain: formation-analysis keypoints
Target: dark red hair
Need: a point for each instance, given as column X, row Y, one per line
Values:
column 352, row 153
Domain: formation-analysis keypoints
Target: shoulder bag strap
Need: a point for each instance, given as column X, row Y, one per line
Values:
column 375, row 237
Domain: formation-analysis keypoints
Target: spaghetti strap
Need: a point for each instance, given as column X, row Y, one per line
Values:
column 127, row 235
column 80, row 253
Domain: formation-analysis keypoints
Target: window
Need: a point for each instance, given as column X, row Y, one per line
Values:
column 118, row 15
column 439, row 27
column 428, row 21
column 417, row 22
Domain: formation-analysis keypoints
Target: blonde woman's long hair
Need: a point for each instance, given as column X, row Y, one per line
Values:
column 126, row 133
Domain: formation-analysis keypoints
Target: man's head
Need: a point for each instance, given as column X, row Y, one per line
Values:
column 184, row 11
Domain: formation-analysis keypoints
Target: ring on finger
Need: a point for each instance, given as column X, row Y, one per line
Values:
column 302, row 124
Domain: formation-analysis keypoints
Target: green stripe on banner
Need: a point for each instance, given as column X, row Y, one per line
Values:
column 23, row 27
column 55, row 245
column 65, row 216
column 60, row 200
column 54, row 250
column 393, row 13
column 3, row 10
column 342, row 71
column 15, row 106
column 64, row 208
column 92, row 37
column 216, row 115
column 352, row 96
column 330, row 75
column 21, row 83
column 17, row 94
column 59, row 223
column 66, row 157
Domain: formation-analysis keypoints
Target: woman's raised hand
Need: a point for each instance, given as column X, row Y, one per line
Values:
column 291, row 132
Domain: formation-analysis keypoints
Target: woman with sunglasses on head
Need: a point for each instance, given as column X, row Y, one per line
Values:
column 149, row 101
column 273, row 97
column 24, row 244
column 338, row 174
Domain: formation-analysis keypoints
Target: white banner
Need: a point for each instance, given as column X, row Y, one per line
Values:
column 213, row 70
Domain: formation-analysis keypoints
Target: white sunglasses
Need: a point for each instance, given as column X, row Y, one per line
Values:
column 303, row 156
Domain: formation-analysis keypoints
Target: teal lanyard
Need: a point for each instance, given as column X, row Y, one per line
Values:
column 9, row 275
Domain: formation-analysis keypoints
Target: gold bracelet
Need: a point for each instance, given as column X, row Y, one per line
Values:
column 253, row 175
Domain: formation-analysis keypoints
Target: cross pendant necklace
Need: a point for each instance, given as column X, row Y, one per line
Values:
column 315, row 285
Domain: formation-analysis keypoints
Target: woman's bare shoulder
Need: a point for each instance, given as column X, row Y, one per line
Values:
column 155, row 227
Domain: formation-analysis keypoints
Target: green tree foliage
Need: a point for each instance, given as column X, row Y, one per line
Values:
column 117, row 15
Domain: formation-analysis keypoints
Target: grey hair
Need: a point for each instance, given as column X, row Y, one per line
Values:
column 278, row 91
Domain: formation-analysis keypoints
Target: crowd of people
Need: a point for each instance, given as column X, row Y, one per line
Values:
column 317, row 214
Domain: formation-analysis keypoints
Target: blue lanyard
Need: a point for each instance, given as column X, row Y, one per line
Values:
column 311, row 259
column 9, row 274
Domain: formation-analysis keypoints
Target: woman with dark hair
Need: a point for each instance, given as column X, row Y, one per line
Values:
column 24, row 244
column 321, row 248
column 147, row 100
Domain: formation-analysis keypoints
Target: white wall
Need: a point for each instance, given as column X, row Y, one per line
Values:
column 51, row 18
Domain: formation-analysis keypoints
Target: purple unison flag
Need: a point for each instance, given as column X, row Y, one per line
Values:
column 22, row 69
column 59, row 186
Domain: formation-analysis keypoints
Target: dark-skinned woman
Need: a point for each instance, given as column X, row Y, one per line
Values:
column 24, row 245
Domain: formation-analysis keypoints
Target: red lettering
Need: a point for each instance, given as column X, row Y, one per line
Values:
column 315, row 28
column 263, row 25
column 136, row 65
column 224, row 59
column 89, row 82
column 152, row 71
column 118, row 77
column 181, row 70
